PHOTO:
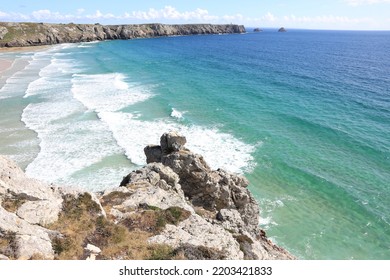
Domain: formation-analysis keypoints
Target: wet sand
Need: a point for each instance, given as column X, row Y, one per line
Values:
column 5, row 64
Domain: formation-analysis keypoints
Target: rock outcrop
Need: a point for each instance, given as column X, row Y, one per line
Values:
column 175, row 207
column 282, row 29
column 36, row 34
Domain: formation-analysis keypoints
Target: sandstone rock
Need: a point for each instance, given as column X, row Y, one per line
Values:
column 154, row 185
column 3, row 258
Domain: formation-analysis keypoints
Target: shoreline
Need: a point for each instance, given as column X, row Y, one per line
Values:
column 5, row 64
column 23, row 49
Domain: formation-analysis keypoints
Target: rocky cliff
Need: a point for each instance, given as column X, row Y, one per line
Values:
column 36, row 34
column 175, row 207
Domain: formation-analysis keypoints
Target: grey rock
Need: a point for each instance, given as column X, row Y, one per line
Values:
column 153, row 153
column 29, row 239
column 198, row 232
column 42, row 212
column 154, row 185
column 172, row 142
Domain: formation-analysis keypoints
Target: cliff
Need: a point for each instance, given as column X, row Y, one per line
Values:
column 175, row 207
column 36, row 34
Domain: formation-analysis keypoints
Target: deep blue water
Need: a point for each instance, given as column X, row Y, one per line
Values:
column 305, row 115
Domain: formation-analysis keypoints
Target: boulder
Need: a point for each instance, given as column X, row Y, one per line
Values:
column 198, row 232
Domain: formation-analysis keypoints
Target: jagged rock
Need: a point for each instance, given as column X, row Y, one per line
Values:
column 211, row 189
column 231, row 220
column 14, row 182
column 198, row 232
column 153, row 153
column 28, row 240
column 154, row 185
column 172, row 142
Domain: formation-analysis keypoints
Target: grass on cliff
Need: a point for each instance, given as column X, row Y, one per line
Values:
column 23, row 30
column 81, row 223
column 12, row 204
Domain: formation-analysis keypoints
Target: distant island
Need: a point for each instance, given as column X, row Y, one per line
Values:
column 282, row 29
column 39, row 34
column 257, row 30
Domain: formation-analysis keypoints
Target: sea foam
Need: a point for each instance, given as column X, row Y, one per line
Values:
column 220, row 150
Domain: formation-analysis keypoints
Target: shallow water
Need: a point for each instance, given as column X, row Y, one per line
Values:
column 305, row 115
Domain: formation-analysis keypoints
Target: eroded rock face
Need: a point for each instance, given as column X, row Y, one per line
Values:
column 27, row 207
column 35, row 34
column 211, row 189
column 232, row 212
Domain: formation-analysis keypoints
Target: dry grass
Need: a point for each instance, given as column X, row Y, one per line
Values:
column 12, row 204
column 81, row 223
column 115, row 198
column 154, row 220
column 6, row 244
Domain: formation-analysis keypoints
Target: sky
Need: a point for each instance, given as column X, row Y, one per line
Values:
column 308, row 14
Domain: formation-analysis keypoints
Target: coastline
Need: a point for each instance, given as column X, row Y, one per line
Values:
column 36, row 34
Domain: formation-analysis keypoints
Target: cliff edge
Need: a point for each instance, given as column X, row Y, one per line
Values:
column 37, row 34
column 175, row 207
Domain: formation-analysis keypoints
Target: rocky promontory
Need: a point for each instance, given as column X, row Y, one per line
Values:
column 175, row 207
column 37, row 34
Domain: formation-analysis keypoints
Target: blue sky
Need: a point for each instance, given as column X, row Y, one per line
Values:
column 322, row 14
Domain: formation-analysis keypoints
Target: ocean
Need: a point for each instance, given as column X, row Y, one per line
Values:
column 304, row 115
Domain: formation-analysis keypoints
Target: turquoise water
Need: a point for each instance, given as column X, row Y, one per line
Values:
column 305, row 115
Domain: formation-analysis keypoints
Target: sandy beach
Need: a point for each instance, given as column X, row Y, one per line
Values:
column 9, row 65
column 5, row 64
column 24, row 49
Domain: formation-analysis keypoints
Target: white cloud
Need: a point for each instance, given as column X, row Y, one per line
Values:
column 13, row 16
column 365, row 2
column 171, row 13
column 329, row 19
